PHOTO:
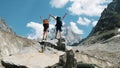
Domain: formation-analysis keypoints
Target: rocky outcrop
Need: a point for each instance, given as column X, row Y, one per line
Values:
column 105, row 54
column 66, row 61
column 5, row 27
column 12, row 44
column 24, row 53
column 20, row 52
column 52, row 58
column 87, row 57
column 9, row 42
column 60, row 44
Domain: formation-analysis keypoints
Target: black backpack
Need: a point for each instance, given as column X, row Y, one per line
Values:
column 59, row 22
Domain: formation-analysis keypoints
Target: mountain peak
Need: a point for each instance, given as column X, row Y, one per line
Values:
column 4, row 26
column 110, row 18
column 108, row 24
column 68, row 34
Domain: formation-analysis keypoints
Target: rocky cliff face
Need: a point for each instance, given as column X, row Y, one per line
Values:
column 102, row 46
column 109, row 19
column 108, row 24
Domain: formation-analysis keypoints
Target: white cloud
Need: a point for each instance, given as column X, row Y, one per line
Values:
column 58, row 3
column 83, row 21
column 37, row 30
column 75, row 29
column 88, row 7
column 94, row 23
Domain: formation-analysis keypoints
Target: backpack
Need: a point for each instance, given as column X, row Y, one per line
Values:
column 45, row 21
column 59, row 22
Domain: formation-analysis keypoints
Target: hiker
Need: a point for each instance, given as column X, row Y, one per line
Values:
column 58, row 24
column 46, row 26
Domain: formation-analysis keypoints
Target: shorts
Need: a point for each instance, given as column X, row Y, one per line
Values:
column 46, row 26
column 58, row 29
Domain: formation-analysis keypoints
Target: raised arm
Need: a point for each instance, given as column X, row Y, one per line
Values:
column 49, row 17
column 52, row 16
column 64, row 16
column 41, row 18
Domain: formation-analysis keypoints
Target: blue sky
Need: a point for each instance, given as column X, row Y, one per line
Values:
column 23, row 15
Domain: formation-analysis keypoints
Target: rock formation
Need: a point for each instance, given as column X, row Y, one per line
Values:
column 19, row 52
column 5, row 27
column 47, row 58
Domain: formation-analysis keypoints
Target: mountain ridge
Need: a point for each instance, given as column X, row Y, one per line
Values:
column 102, row 46
column 108, row 25
column 5, row 27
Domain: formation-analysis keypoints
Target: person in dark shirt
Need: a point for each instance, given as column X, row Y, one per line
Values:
column 58, row 24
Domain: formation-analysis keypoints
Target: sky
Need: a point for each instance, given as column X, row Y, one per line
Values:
column 23, row 15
